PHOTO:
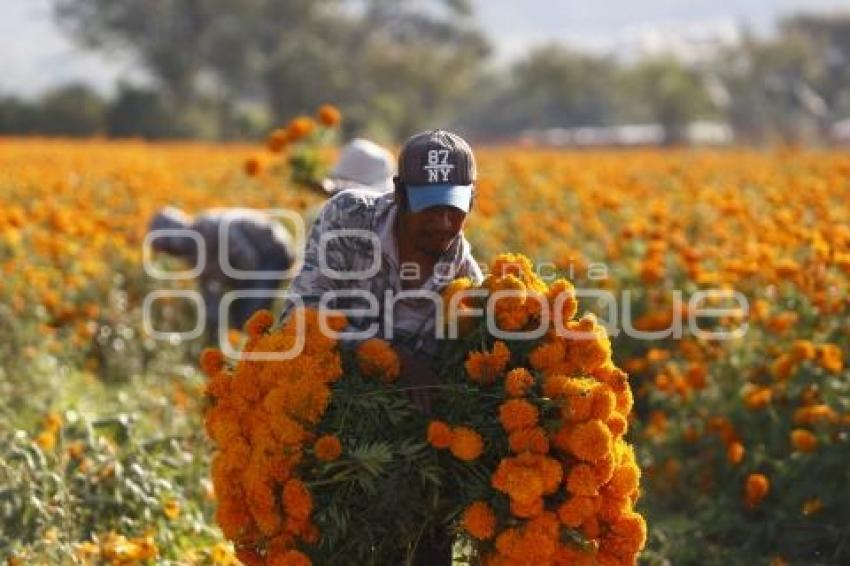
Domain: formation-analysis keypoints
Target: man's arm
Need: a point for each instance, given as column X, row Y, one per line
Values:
column 314, row 279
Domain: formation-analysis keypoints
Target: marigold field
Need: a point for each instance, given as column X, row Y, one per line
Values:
column 743, row 443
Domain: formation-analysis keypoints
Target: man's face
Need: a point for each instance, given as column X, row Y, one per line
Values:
column 433, row 229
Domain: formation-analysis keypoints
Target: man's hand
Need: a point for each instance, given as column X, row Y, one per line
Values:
column 417, row 374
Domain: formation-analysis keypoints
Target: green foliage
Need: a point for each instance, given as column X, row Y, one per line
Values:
column 70, row 110
column 705, row 494
column 386, row 487
column 100, row 477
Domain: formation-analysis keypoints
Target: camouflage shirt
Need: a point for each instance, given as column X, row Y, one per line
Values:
column 352, row 226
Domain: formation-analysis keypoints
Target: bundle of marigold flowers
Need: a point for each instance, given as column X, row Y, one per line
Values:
column 320, row 458
column 545, row 417
column 306, row 141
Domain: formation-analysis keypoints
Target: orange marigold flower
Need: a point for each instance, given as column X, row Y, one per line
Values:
column 212, row 361
column 259, row 322
column 603, row 402
column 328, row 115
column 591, row 440
column 467, row 444
column 588, row 344
column 518, row 382
column 756, row 397
column 512, row 304
column 815, row 414
column 562, row 294
column 756, row 489
column 252, row 166
column 52, row 422
column 612, row 508
column 625, row 400
column 222, row 423
column 556, row 386
column 591, row 528
column 485, row 367
column 327, row 448
column 277, row 140
column 218, row 385
column 529, row 440
column 624, row 482
column 527, row 510
column 582, row 481
column 479, row 520
column 297, row 501
column 518, row 266
column 335, row 320
column 603, row 469
column 547, row 355
column 516, row 414
column 459, row 309
column 783, row 367
column 735, row 452
column 522, row 483
column 233, row 518
column 697, row 376
column 300, row 127
column 617, row 424
column 803, row 350
column 579, row 403
column 439, row 434
column 455, row 286
column 576, row 510
column 631, row 527
column 830, row 358
column 786, row 268
column 552, row 473
column 46, row 440
column 781, row 322
column 803, row 440
column 377, row 358
column 234, row 338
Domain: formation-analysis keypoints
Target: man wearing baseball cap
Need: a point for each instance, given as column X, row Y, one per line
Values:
column 414, row 242
column 408, row 239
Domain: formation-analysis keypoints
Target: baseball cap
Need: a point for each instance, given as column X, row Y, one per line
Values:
column 438, row 168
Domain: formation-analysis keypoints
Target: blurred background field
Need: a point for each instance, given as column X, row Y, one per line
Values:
column 102, row 433
column 593, row 161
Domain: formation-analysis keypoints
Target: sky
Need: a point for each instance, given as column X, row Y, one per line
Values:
column 35, row 55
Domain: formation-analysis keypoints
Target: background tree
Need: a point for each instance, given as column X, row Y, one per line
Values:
column 223, row 69
column 377, row 57
column 664, row 91
column 551, row 86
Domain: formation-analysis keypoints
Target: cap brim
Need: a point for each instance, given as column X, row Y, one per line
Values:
column 421, row 197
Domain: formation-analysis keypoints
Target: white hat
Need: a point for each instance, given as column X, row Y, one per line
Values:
column 362, row 164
